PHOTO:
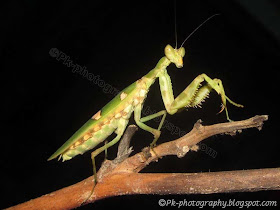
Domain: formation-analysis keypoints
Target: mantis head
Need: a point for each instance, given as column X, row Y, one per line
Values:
column 175, row 55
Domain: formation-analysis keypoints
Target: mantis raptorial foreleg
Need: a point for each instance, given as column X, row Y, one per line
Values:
column 193, row 95
column 114, row 116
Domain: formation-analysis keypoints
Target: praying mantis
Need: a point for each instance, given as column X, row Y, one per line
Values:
column 114, row 116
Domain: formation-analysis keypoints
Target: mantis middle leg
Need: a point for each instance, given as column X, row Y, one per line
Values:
column 140, row 122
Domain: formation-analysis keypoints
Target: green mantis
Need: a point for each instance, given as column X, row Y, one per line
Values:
column 114, row 116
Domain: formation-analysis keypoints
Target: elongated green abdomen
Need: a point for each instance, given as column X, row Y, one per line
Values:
column 100, row 126
column 90, row 140
column 77, row 135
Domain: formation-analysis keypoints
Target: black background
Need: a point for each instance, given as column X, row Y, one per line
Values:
column 44, row 102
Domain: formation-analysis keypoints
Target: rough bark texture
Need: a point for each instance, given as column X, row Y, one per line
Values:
column 121, row 177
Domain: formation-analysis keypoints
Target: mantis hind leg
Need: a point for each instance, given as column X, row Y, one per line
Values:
column 120, row 130
column 101, row 149
column 105, row 151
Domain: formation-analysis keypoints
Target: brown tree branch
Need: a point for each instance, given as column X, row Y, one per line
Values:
column 119, row 178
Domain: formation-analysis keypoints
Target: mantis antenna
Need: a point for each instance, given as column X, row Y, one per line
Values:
column 175, row 23
column 195, row 29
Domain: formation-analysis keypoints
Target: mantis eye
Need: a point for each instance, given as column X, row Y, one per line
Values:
column 181, row 51
column 169, row 52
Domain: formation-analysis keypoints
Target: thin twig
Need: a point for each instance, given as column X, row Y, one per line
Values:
column 123, row 149
column 124, row 178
